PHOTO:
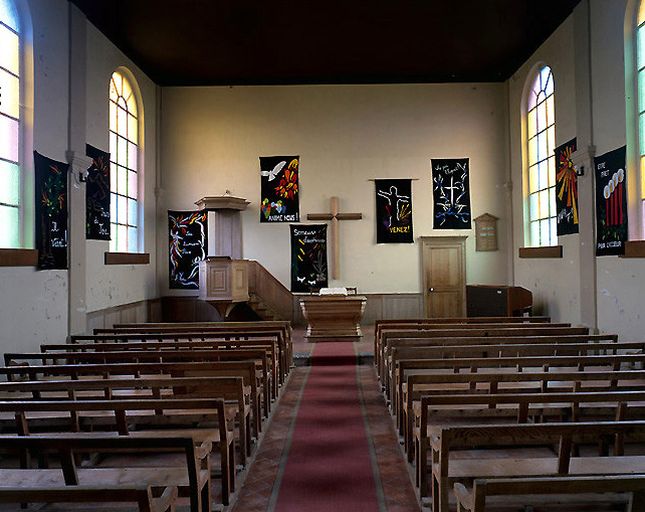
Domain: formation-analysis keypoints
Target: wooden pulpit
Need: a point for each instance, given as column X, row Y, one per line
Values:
column 333, row 317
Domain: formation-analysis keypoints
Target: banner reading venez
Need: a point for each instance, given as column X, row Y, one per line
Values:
column 308, row 257
column 187, row 238
column 279, row 184
column 611, row 202
column 394, row 211
column 451, row 193
column 51, row 212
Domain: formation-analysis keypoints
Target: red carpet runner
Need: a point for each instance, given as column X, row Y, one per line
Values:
column 328, row 467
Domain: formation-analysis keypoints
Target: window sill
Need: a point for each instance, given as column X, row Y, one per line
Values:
column 18, row 257
column 127, row 258
column 634, row 249
column 553, row 251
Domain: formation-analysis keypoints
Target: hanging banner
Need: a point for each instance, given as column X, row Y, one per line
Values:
column 566, row 189
column 394, row 211
column 451, row 193
column 188, row 245
column 97, row 195
column 279, row 184
column 308, row 257
column 51, row 212
column 611, row 203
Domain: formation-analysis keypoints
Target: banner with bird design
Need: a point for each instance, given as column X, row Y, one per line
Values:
column 279, row 188
column 97, row 195
column 394, row 211
column 188, row 245
column 308, row 257
column 611, row 202
column 566, row 188
column 51, row 212
column 451, row 193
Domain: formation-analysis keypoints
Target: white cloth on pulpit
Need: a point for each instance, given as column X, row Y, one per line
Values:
column 333, row 291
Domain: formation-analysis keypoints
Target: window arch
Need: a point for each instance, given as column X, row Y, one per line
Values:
column 125, row 116
column 640, row 106
column 540, row 159
column 10, row 127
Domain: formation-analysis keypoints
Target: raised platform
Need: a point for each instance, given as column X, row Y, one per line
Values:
column 333, row 317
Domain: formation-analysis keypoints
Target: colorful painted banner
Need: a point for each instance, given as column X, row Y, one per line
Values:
column 611, row 202
column 308, row 257
column 280, row 189
column 394, row 211
column 97, row 195
column 566, row 189
column 51, row 212
column 451, row 193
column 188, row 245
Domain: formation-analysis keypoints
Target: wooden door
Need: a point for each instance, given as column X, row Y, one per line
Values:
column 444, row 276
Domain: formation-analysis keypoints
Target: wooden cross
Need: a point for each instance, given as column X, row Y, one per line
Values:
column 334, row 216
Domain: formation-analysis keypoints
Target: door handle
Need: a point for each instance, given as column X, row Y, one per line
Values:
column 430, row 289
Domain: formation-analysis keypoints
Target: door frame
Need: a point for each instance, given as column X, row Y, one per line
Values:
column 428, row 241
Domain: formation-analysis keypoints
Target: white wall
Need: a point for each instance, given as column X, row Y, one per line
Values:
column 345, row 135
column 33, row 305
column 555, row 283
column 109, row 286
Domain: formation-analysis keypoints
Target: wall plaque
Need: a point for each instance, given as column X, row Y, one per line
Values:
column 486, row 232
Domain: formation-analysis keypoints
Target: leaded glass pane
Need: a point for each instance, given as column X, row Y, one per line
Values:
column 9, row 15
column 10, row 54
column 132, row 213
column 9, row 138
column 533, row 178
column 533, row 207
column 132, row 240
column 641, row 47
column 543, row 175
column 122, row 180
column 10, row 222
column 551, row 165
column 9, row 94
column 133, row 191
column 9, row 184
column 535, row 233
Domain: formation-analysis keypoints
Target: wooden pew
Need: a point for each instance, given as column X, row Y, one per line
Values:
column 281, row 329
column 446, row 470
column 226, row 388
column 146, row 497
column 474, row 332
column 193, row 479
column 146, row 418
column 594, row 489
column 248, row 370
column 507, row 382
column 389, row 330
column 126, row 344
column 435, row 411
column 493, row 341
column 411, row 323
column 150, row 356
column 515, row 362
column 191, row 340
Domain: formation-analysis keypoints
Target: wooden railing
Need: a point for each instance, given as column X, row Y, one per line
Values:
column 271, row 291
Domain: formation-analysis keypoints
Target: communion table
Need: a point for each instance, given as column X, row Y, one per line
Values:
column 333, row 316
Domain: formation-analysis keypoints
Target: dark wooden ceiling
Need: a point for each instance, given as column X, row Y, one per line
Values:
column 237, row 42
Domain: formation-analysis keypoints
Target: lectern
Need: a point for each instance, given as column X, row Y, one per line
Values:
column 332, row 317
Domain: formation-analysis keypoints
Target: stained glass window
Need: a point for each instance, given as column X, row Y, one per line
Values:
column 640, row 64
column 9, row 125
column 541, row 160
column 124, row 165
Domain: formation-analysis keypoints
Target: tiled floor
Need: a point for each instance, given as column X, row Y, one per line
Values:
column 258, row 493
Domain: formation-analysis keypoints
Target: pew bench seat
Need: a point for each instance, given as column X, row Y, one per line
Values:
column 147, row 498
column 524, row 493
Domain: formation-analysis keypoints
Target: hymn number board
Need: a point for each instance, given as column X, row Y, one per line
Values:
column 486, row 232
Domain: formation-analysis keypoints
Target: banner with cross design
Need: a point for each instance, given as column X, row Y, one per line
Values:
column 451, row 193
column 394, row 211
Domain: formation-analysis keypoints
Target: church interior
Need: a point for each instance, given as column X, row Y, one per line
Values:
column 332, row 251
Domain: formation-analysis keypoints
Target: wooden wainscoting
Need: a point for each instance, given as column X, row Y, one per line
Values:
column 140, row 311
column 379, row 306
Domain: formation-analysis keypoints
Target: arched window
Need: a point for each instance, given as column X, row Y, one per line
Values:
column 10, row 176
column 125, row 115
column 540, row 146
column 640, row 65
